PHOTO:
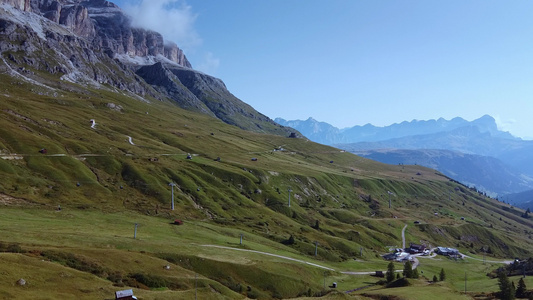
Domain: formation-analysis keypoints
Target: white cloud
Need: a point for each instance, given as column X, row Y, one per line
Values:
column 209, row 64
column 174, row 19
column 504, row 125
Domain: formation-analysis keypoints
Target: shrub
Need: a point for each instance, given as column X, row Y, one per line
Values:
column 289, row 241
column 402, row 282
column 76, row 262
column 14, row 248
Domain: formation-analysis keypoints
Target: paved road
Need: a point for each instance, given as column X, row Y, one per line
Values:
column 415, row 258
column 415, row 261
column 403, row 236
column 270, row 254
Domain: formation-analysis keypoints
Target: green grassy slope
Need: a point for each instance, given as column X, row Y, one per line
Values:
column 104, row 185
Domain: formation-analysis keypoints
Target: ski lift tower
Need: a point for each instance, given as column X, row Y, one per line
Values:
column 172, row 184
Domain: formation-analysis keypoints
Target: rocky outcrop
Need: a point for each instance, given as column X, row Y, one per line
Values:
column 76, row 18
column 214, row 94
column 19, row 4
column 197, row 91
column 164, row 81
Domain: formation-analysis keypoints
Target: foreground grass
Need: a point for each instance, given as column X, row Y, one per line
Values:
column 419, row 290
column 106, row 242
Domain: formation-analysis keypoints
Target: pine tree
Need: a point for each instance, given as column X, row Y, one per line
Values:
column 317, row 225
column 408, row 270
column 390, row 272
column 521, row 290
column 415, row 274
column 506, row 288
column 442, row 275
column 526, row 214
column 435, row 279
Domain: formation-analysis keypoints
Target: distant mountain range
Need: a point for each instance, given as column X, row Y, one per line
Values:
column 474, row 152
column 327, row 134
column 523, row 200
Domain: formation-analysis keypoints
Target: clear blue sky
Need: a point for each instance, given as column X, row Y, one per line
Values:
column 353, row 62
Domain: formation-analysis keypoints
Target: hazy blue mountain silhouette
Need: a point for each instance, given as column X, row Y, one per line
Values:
column 325, row 133
column 474, row 152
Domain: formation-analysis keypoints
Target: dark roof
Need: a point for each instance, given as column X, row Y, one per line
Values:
column 416, row 246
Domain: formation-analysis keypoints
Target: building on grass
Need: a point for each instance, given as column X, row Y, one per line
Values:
column 125, row 295
column 415, row 248
column 447, row 251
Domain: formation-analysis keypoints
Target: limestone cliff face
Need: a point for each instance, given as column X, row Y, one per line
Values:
column 19, row 4
column 103, row 23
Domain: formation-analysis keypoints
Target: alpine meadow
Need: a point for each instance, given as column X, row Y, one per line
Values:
column 123, row 168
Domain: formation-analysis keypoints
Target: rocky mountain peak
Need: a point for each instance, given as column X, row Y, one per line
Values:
column 105, row 25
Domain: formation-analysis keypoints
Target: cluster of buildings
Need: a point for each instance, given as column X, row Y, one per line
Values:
column 416, row 249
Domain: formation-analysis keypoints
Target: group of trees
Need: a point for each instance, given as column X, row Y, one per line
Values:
column 508, row 291
column 409, row 272
column 442, row 276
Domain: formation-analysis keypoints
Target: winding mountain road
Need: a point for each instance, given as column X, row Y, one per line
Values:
column 403, row 236
column 271, row 254
column 415, row 260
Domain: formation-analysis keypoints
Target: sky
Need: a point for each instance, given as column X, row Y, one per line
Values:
column 353, row 62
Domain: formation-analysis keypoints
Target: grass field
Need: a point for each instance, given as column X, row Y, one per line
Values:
column 103, row 245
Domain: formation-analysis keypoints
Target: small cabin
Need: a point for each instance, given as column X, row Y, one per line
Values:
column 447, row 251
column 124, row 295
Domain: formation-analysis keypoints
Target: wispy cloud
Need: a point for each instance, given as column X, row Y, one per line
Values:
column 504, row 125
column 174, row 19
column 209, row 63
